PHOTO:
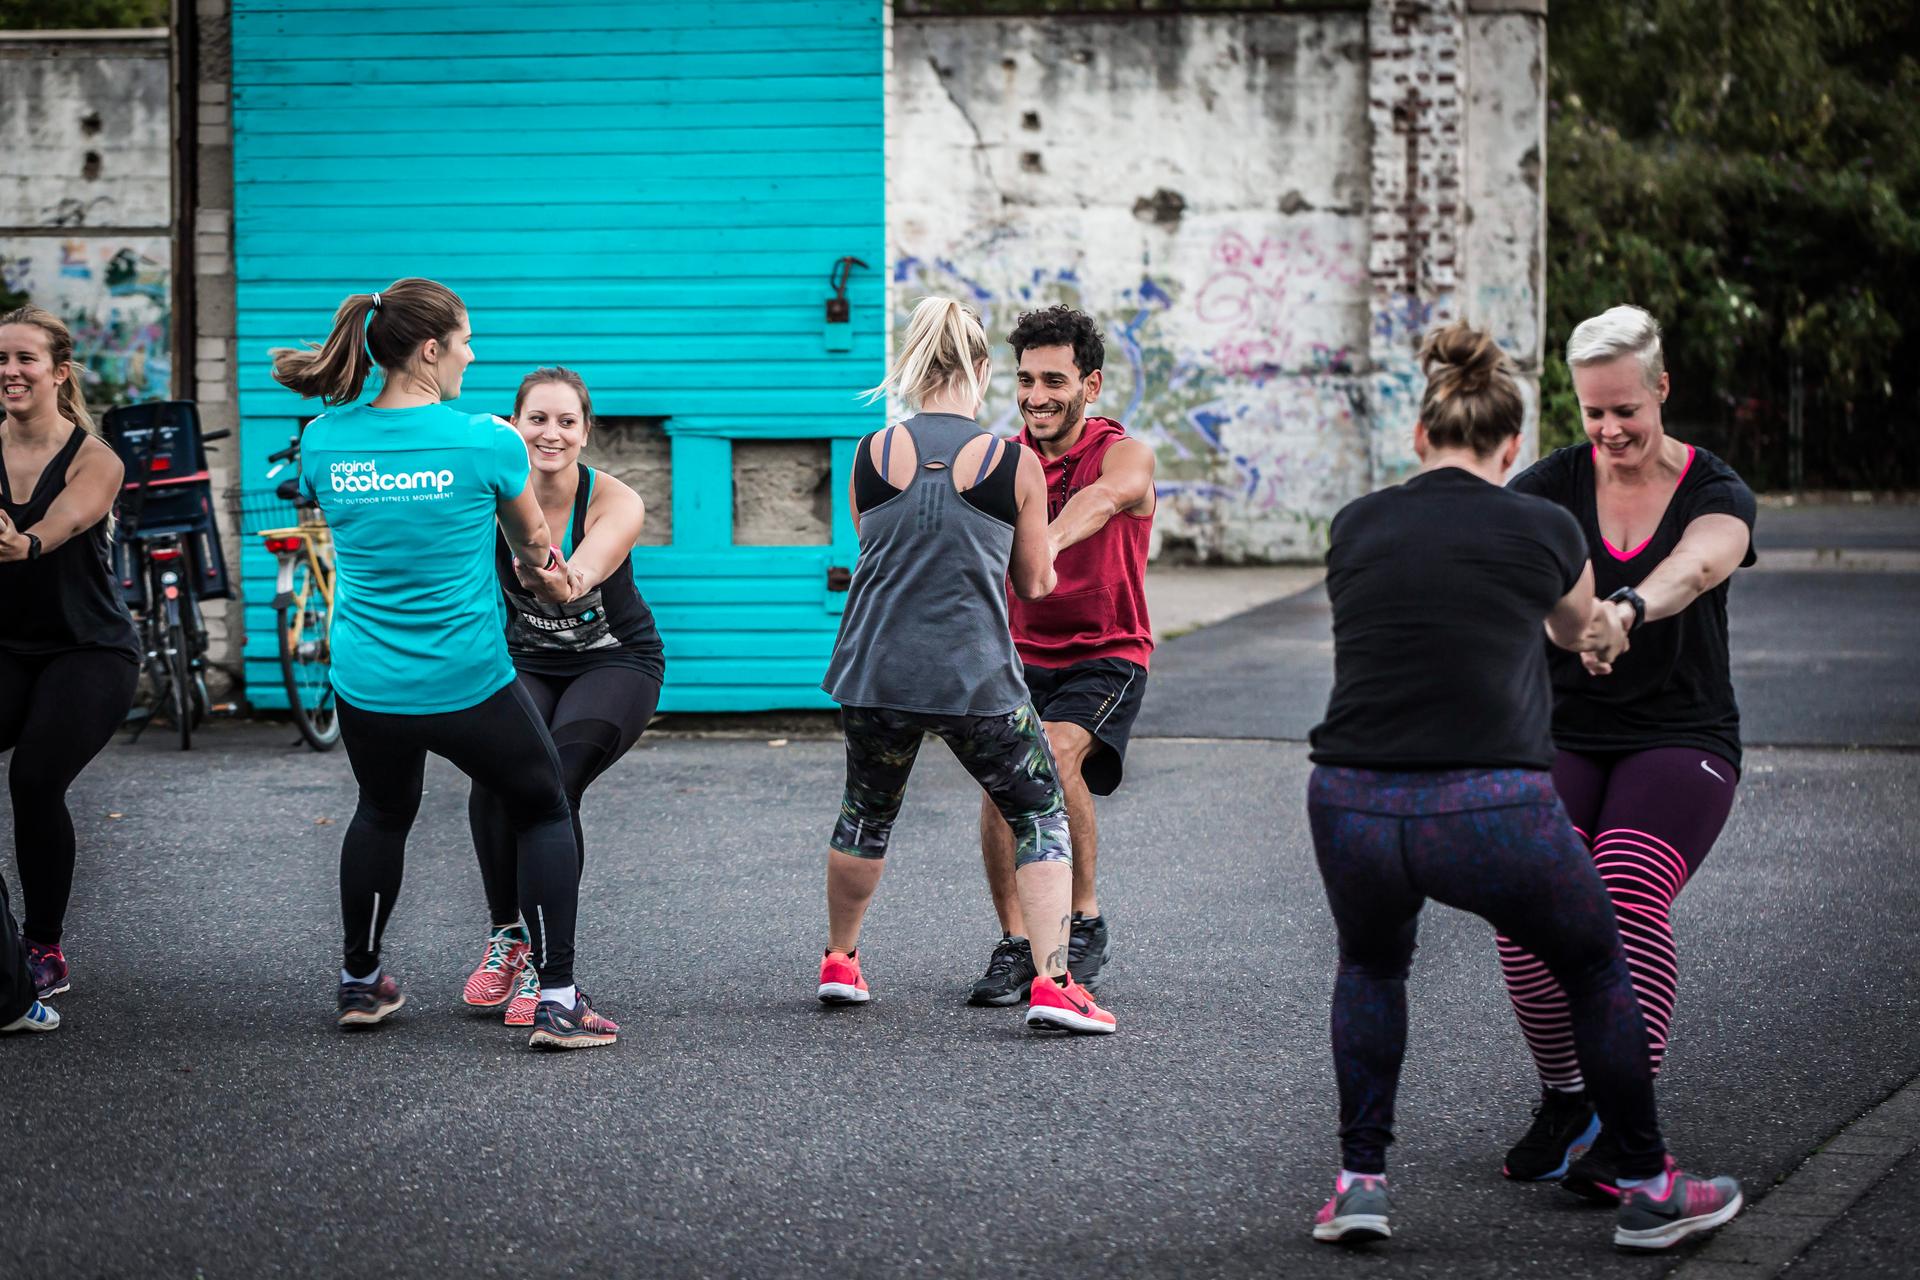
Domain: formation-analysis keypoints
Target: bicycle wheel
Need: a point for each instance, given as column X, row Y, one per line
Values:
column 180, row 680
column 304, row 619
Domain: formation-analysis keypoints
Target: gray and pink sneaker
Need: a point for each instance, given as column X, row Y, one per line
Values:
column 1357, row 1213
column 48, row 968
column 1690, row 1205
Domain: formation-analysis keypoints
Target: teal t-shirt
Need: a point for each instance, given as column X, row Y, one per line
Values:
column 411, row 494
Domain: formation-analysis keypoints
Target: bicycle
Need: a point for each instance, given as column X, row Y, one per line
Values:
column 164, row 546
column 303, row 608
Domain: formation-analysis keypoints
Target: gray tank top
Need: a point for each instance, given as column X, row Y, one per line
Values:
column 925, row 628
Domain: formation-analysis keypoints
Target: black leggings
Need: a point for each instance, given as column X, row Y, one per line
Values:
column 1496, row 843
column 595, row 718
column 502, row 743
column 56, row 713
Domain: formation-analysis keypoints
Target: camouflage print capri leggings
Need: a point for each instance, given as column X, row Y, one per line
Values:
column 1008, row 755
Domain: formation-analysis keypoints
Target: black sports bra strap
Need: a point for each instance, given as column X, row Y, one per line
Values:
column 582, row 499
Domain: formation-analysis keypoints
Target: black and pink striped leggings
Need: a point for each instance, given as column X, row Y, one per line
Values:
column 1649, row 817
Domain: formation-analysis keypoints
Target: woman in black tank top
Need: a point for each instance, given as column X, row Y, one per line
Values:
column 68, row 657
column 592, row 665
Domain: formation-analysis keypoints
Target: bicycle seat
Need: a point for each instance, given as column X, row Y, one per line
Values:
column 288, row 490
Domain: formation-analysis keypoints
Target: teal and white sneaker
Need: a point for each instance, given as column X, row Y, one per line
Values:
column 38, row 1017
column 1690, row 1205
column 1357, row 1213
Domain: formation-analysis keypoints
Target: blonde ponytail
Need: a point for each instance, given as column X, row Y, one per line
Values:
column 942, row 351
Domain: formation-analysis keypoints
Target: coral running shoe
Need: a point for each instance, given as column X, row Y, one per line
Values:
column 1357, row 1213
column 840, row 980
column 526, row 997
column 38, row 1017
column 557, row 1027
column 1689, row 1205
column 364, row 1003
column 1053, row 1007
column 499, row 971
column 48, row 968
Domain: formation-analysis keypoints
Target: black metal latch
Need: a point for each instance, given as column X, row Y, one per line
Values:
column 838, row 332
column 839, row 577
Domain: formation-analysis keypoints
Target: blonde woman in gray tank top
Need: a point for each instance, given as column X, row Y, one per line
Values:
column 949, row 518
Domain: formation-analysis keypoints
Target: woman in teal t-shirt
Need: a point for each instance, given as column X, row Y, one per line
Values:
column 413, row 490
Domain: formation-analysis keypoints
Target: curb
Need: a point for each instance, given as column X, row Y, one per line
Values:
column 1840, row 559
column 1760, row 1243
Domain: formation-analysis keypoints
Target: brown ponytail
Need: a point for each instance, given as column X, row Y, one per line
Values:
column 1471, row 401
column 384, row 328
column 72, row 397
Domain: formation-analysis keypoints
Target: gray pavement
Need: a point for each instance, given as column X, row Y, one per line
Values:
column 1820, row 657
column 199, row 1114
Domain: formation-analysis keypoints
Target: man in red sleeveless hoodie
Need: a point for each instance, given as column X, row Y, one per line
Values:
column 1085, row 647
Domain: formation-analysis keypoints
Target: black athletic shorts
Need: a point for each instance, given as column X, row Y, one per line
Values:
column 1102, row 696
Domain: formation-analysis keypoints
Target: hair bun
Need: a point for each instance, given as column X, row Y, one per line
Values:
column 1462, row 359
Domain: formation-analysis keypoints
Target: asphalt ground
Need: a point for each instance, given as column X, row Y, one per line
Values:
column 199, row 1114
column 1821, row 657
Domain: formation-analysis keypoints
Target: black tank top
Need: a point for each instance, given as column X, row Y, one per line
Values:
column 609, row 626
column 66, row 600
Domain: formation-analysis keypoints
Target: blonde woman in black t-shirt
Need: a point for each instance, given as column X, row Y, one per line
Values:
column 1648, row 749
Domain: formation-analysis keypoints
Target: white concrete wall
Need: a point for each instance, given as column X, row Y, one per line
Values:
column 1262, row 211
column 85, row 200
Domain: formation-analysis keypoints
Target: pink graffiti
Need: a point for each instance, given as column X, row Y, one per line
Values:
column 1238, row 357
column 1251, row 282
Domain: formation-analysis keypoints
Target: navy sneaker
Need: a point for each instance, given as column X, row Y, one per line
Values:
column 48, row 968
column 557, row 1027
column 364, row 1003
column 1009, row 973
column 1088, row 949
column 1690, row 1205
column 1564, row 1127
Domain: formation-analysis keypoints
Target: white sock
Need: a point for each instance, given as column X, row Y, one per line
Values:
column 1656, row 1186
column 562, row 996
column 370, row 978
column 1348, row 1176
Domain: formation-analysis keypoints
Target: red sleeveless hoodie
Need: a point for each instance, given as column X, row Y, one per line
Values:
column 1098, row 609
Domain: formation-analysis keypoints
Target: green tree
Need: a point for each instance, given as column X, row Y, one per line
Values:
column 80, row 15
column 1748, row 171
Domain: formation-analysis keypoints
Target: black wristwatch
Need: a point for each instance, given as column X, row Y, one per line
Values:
column 1632, row 597
column 33, row 544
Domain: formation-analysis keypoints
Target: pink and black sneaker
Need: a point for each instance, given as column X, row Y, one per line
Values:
column 48, row 968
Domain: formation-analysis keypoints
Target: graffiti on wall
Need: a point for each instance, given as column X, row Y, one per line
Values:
column 114, row 294
column 1233, row 363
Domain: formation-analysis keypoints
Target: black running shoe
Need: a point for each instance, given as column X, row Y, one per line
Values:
column 1088, row 949
column 1596, row 1175
column 364, row 1003
column 1564, row 1126
column 1009, row 974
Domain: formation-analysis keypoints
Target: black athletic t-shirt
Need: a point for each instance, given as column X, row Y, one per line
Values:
column 1673, row 687
column 1439, row 589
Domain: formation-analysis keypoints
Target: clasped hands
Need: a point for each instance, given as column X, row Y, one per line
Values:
column 1605, row 637
column 556, row 584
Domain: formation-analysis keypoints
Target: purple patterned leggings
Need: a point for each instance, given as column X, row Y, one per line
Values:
column 1498, row 844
